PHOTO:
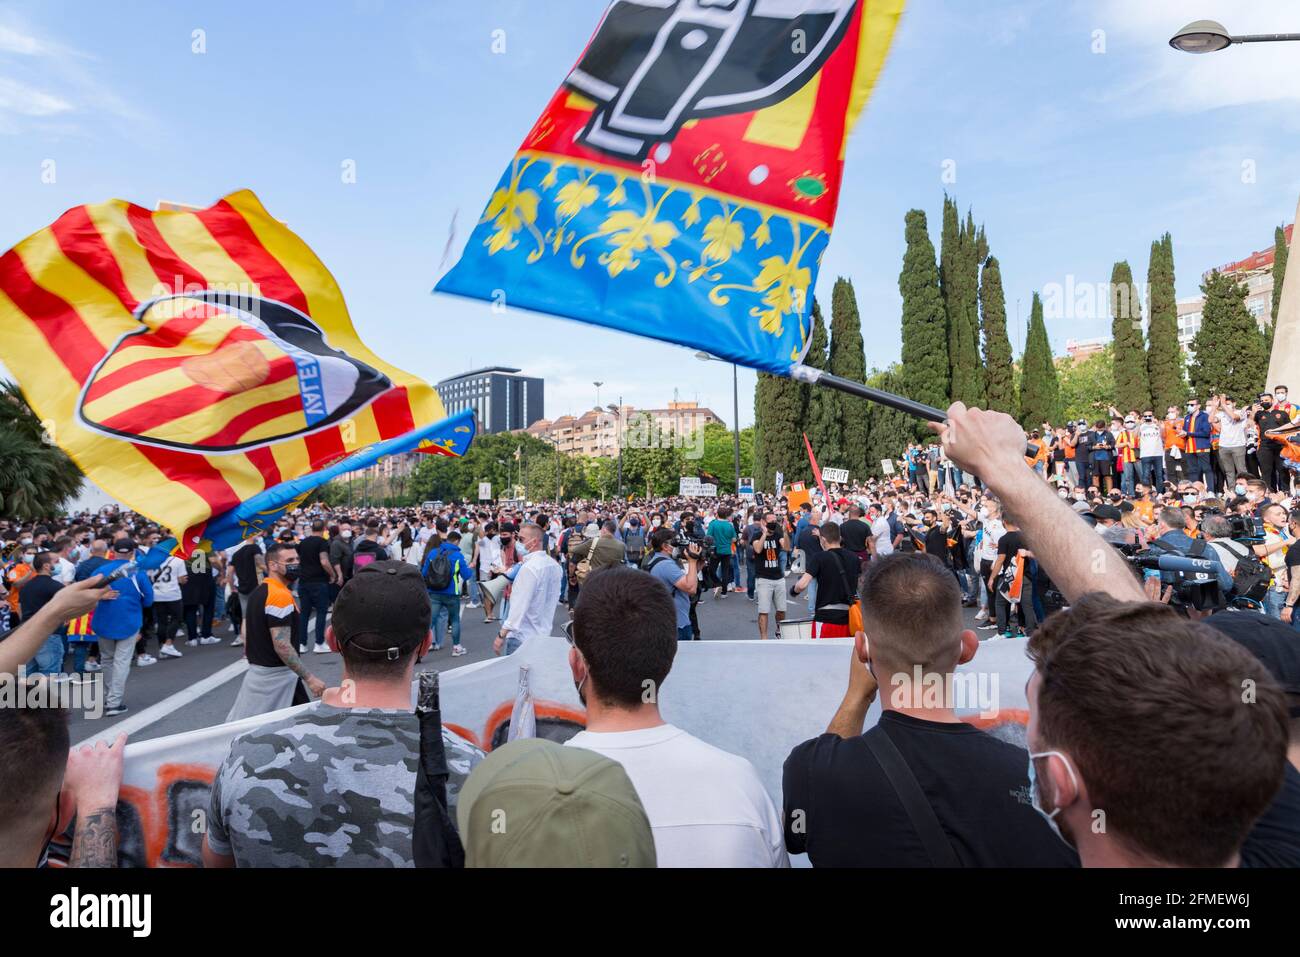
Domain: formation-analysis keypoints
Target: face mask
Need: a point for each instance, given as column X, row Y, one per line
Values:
column 27, row 540
column 1240, row 489
column 291, row 572
column 1267, row 405
column 984, row 513
column 1033, row 791
column 1281, row 397
column 1063, row 494
column 1189, row 499
column 345, row 534
column 29, row 558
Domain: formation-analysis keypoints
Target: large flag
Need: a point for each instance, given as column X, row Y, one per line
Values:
column 682, row 183
column 201, row 366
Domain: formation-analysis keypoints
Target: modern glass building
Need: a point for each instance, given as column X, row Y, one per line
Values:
column 502, row 399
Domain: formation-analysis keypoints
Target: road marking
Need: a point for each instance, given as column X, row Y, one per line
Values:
column 135, row 722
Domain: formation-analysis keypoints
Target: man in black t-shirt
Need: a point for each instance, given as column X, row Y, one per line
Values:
column 769, row 577
column 936, row 537
column 1013, row 556
column 836, row 573
column 842, row 808
column 314, row 586
column 1269, row 452
column 854, row 533
column 38, row 590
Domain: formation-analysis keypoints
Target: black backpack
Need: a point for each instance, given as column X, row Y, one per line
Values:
column 1251, row 576
column 437, row 571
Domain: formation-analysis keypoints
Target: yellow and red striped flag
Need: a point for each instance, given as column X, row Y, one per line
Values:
column 201, row 366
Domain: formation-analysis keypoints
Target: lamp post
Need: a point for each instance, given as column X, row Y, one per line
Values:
column 598, row 385
column 618, row 411
column 1210, row 36
column 735, row 408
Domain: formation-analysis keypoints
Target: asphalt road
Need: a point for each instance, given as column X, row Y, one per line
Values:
column 197, row 691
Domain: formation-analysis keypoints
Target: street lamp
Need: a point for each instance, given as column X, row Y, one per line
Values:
column 735, row 407
column 618, row 411
column 598, row 385
column 1210, row 36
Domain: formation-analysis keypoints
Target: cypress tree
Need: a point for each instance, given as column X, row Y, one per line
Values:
column 824, row 419
column 1164, row 355
column 958, row 279
column 1279, row 273
column 1039, row 389
column 1230, row 353
column 974, row 251
column 848, row 359
column 887, row 430
column 1131, row 388
column 998, row 373
column 925, row 369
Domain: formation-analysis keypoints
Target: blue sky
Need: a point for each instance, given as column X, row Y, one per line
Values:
column 1075, row 133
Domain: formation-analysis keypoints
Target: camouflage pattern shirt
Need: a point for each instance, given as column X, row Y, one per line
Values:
column 327, row 787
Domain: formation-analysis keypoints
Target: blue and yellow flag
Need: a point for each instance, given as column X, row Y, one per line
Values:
column 683, row 181
column 201, row 366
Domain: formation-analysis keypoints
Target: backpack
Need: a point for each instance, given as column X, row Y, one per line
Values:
column 635, row 544
column 437, row 571
column 366, row 552
column 1251, row 577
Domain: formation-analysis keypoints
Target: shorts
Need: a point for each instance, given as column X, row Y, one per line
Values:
column 1103, row 468
column 824, row 629
column 770, row 593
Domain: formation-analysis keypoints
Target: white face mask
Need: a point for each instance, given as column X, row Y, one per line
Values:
column 1063, row 494
column 984, row 513
column 346, row 533
column 1033, row 790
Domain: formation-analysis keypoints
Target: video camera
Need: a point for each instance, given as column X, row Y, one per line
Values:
column 1194, row 580
column 684, row 539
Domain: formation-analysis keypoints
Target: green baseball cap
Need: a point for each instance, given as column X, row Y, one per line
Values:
column 535, row 803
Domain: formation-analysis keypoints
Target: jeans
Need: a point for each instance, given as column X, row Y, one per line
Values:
column 80, row 649
column 115, row 657
column 1273, row 603
column 685, row 633
column 722, row 571
column 196, row 625
column 446, row 610
column 49, row 659
column 812, row 597
column 512, row 644
column 1233, row 461
column 1199, row 469
column 1026, row 608
column 1129, row 478
column 312, row 596
column 751, row 572
column 167, row 616
column 1153, row 472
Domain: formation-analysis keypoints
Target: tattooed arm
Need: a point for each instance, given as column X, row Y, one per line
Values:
column 93, row 778
column 283, row 639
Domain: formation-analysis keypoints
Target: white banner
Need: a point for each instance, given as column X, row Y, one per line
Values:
column 886, row 466
column 838, row 476
column 485, row 491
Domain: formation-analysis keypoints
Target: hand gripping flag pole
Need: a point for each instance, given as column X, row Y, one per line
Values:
column 920, row 410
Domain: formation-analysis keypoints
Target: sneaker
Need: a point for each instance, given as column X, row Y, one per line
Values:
column 210, row 640
column 93, row 666
column 236, row 642
column 437, row 647
column 458, row 650
column 170, row 651
column 474, row 604
column 982, row 615
column 988, row 627
column 192, row 642
column 143, row 661
column 321, row 649
column 994, row 638
column 114, row 712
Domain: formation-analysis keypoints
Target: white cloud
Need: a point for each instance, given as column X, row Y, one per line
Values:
column 24, row 100
column 14, row 41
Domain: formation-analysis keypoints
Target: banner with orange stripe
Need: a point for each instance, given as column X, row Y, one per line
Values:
column 201, row 366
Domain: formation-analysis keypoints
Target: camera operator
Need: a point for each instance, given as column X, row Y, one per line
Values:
column 769, row 577
column 683, row 586
column 1172, row 538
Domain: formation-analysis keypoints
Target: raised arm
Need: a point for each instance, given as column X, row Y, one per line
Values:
column 991, row 445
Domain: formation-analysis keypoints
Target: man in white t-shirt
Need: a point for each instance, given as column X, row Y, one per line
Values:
column 707, row 807
column 1232, row 437
column 1151, row 451
column 881, row 533
column 990, row 533
column 167, row 579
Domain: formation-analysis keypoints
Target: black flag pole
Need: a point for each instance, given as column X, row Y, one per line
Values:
column 808, row 374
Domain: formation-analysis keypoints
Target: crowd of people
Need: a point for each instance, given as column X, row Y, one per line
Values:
column 1148, row 604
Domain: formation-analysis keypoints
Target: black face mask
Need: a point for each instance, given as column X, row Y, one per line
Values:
column 1267, row 405
column 291, row 572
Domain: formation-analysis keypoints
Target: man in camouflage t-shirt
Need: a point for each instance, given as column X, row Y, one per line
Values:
column 334, row 784
column 327, row 786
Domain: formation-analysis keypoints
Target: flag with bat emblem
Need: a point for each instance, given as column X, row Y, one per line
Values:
column 201, row 365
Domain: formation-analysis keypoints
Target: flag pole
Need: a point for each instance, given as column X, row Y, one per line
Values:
column 811, row 376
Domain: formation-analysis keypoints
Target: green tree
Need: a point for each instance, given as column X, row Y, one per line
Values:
column 998, row 373
column 958, row 280
column 1087, row 385
column 824, row 415
column 1039, row 389
column 490, row 459
column 719, row 455
column 37, row 479
column 655, row 464
column 1279, row 273
column 888, row 430
column 848, row 359
column 925, row 370
column 1230, row 351
column 1131, row 388
column 1164, row 354
column 779, row 407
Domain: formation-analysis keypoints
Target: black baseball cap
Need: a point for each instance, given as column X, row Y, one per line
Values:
column 1108, row 512
column 123, row 546
column 383, row 612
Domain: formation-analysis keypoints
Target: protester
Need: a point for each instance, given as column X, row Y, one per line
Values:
column 707, row 808
column 536, row 592
column 349, row 760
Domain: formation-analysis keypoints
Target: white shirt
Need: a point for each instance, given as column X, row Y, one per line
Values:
column 65, row 572
column 167, row 579
column 707, row 807
column 1232, row 432
column 1151, row 440
column 489, row 554
column 884, row 539
column 993, row 532
column 534, row 597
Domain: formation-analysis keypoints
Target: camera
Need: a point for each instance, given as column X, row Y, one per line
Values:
column 1195, row 584
column 773, row 530
column 684, row 540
